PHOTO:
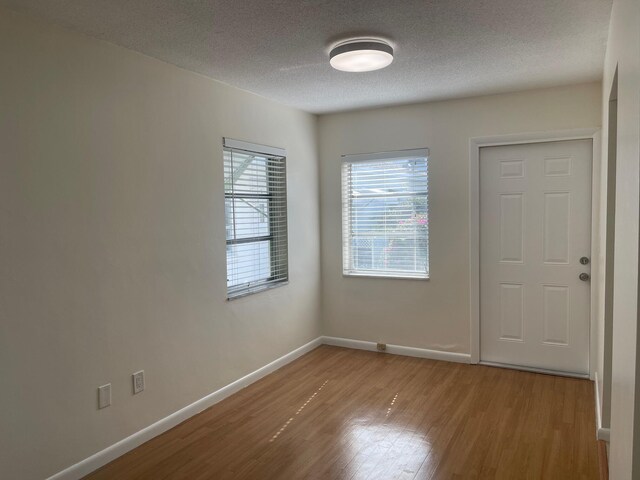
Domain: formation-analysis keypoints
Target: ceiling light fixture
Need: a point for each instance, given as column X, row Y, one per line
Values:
column 361, row 55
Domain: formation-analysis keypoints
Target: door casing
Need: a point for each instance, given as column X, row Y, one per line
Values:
column 475, row 144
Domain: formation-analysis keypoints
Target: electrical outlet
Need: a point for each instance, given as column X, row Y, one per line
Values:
column 381, row 347
column 104, row 396
column 138, row 382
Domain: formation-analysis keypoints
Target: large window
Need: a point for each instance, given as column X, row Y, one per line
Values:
column 385, row 214
column 255, row 190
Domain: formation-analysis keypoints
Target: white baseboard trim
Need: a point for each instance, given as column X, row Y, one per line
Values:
column 602, row 433
column 101, row 458
column 399, row 350
column 97, row 460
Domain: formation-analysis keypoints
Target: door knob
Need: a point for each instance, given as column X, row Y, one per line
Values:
column 584, row 260
column 584, row 277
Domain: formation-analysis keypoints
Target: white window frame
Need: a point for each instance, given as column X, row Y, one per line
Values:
column 279, row 240
column 347, row 269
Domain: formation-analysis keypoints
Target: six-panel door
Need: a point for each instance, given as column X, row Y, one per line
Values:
column 535, row 225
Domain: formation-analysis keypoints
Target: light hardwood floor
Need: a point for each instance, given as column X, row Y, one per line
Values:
column 344, row 414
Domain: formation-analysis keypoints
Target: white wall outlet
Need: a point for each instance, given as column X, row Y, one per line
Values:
column 104, row 396
column 138, row 382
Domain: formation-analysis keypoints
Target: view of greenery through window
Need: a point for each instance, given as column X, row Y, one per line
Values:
column 386, row 221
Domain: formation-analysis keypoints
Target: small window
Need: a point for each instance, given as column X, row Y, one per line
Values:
column 385, row 214
column 255, row 191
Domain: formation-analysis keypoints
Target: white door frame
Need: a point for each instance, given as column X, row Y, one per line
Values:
column 474, row 221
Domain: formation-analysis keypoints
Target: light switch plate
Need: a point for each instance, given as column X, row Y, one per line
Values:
column 138, row 382
column 104, row 396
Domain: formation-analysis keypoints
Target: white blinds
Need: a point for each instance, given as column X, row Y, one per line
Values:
column 256, row 220
column 385, row 217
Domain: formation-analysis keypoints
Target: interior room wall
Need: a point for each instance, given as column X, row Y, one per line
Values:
column 623, row 53
column 605, row 261
column 112, row 237
column 112, row 242
column 431, row 314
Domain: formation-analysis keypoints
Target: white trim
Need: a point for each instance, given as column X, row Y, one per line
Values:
column 97, row 460
column 475, row 144
column 398, row 350
column 422, row 276
column 544, row 371
column 598, row 409
column 602, row 433
column 596, row 158
column 397, row 154
column 253, row 147
column 118, row 449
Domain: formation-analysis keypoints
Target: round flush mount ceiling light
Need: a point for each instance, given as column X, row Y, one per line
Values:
column 361, row 55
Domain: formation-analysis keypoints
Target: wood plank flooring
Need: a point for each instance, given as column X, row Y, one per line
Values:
column 345, row 414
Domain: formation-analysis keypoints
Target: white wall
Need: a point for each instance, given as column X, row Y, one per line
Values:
column 112, row 234
column 623, row 50
column 431, row 314
column 603, row 263
column 112, row 242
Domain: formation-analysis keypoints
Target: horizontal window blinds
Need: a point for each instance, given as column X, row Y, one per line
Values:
column 256, row 220
column 386, row 215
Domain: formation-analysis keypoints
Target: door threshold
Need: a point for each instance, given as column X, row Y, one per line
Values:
column 544, row 371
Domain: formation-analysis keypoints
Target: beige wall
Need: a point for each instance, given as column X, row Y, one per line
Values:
column 112, row 242
column 431, row 314
column 623, row 51
column 112, row 235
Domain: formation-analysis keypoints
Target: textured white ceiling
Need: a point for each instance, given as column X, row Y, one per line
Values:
column 279, row 48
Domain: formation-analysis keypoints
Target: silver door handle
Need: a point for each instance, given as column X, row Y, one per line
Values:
column 584, row 277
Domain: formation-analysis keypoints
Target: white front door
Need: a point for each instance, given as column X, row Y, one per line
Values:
column 535, row 226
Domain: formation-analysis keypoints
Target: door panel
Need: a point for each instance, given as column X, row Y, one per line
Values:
column 511, row 311
column 511, row 227
column 535, row 224
column 556, row 228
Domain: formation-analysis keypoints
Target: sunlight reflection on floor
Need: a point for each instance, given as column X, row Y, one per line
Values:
column 384, row 447
column 298, row 412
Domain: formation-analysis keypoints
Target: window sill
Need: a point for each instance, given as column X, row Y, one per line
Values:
column 386, row 276
column 259, row 289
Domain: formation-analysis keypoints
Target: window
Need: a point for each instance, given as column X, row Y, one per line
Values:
column 385, row 214
column 255, row 191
